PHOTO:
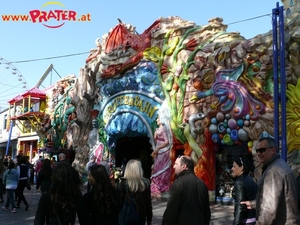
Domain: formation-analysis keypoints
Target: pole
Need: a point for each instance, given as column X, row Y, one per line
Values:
column 9, row 137
column 279, row 98
column 282, row 85
column 275, row 75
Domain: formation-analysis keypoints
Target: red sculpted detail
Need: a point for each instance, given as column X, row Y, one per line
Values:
column 120, row 37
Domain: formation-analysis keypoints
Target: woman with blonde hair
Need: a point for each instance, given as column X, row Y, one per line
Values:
column 135, row 184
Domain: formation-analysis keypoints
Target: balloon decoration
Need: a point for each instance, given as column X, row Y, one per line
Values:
column 229, row 131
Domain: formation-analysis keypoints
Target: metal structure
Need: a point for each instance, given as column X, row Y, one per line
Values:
column 279, row 79
column 45, row 75
column 12, row 82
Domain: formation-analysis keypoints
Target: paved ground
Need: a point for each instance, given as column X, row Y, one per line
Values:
column 221, row 215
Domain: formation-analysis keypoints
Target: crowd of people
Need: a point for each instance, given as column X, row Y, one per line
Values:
column 62, row 196
column 64, row 199
column 15, row 175
column 18, row 173
column 271, row 200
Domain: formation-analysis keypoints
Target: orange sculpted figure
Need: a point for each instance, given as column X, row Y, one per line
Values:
column 205, row 168
column 197, row 84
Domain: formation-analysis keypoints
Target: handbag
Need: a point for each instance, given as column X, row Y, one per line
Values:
column 28, row 185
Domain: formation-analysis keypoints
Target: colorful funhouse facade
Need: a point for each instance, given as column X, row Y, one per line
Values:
column 193, row 90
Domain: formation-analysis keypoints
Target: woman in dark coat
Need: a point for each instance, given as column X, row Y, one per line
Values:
column 103, row 202
column 245, row 189
column 24, row 176
column 44, row 176
column 64, row 200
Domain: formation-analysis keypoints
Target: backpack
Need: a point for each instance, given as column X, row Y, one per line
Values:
column 129, row 212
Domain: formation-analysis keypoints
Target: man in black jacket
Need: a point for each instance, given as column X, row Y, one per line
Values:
column 189, row 202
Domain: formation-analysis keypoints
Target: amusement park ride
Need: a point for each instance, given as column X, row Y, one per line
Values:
column 28, row 109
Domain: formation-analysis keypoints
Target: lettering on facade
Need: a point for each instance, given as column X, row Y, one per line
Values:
column 135, row 102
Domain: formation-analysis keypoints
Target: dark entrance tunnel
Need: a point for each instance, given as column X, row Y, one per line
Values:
column 135, row 148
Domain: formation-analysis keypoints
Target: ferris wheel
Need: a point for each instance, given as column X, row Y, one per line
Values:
column 12, row 83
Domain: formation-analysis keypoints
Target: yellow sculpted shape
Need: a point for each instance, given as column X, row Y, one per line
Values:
column 293, row 116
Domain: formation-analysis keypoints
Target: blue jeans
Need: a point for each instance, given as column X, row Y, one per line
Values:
column 10, row 198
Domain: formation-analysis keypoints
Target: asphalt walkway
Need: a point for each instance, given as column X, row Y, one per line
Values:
column 221, row 215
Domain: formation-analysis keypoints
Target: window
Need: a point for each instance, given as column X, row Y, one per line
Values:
column 36, row 107
column 5, row 121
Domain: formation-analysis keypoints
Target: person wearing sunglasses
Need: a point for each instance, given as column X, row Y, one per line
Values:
column 188, row 203
column 276, row 200
column 244, row 189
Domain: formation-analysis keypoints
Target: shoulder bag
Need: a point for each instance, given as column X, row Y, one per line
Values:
column 129, row 213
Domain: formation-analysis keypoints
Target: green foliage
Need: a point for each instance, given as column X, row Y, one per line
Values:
column 168, row 83
column 171, row 46
column 269, row 86
column 152, row 54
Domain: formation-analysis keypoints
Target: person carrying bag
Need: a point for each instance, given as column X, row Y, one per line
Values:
column 135, row 195
column 129, row 213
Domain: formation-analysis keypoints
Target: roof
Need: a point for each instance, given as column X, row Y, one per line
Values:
column 15, row 99
column 33, row 92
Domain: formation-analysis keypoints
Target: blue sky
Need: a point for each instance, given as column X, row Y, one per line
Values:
column 23, row 41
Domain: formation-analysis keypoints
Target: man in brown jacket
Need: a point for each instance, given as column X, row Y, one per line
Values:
column 276, row 201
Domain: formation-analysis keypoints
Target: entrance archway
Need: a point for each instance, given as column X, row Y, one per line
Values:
column 129, row 109
column 130, row 137
column 134, row 148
